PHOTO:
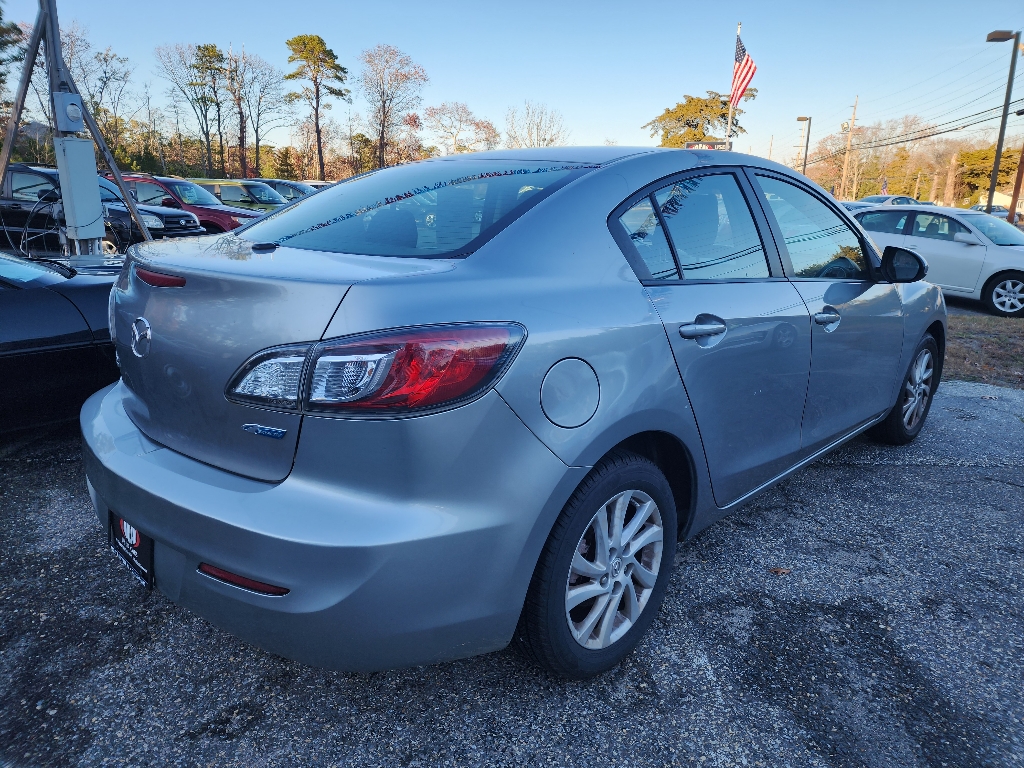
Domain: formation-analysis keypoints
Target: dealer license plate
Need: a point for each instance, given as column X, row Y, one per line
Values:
column 133, row 547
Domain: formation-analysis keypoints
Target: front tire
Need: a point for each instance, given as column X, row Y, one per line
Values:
column 1003, row 294
column 906, row 419
column 602, row 575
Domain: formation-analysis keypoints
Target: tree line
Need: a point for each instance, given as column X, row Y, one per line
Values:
column 210, row 110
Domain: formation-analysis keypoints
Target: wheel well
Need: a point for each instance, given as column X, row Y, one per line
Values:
column 939, row 334
column 674, row 460
column 210, row 227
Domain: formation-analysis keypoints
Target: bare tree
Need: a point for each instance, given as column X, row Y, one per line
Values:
column 459, row 129
column 180, row 65
column 263, row 100
column 391, row 83
column 237, row 74
column 534, row 126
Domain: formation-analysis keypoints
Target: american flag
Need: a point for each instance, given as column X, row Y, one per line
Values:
column 743, row 70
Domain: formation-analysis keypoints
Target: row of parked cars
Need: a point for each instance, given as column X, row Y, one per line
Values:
column 170, row 207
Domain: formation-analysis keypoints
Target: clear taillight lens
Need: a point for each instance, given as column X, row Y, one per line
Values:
column 410, row 370
column 272, row 378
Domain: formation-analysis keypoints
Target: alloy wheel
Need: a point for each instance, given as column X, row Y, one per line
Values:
column 918, row 389
column 614, row 569
column 1008, row 295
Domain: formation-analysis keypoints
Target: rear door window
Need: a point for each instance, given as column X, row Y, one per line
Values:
column 712, row 229
column 886, row 222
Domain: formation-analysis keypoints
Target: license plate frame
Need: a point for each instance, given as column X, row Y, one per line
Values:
column 132, row 547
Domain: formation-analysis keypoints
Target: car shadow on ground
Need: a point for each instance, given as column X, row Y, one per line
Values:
column 889, row 633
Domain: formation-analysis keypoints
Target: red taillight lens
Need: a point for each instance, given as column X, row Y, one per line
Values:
column 410, row 370
column 242, row 581
column 159, row 280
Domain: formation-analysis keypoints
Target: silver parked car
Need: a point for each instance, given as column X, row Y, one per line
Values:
column 405, row 416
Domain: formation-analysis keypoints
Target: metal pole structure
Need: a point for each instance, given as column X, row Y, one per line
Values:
column 19, row 97
column 846, row 155
column 994, row 37
column 728, row 120
column 807, row 141
column 1012, row 216
column 60, row 79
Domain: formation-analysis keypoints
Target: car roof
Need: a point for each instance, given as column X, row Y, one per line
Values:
column 921, row 208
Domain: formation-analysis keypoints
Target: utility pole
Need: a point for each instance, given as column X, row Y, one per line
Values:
column 1012, row 217
column 771, row 141
column 917, row 186
column 950, row 190
column 846, row 157
column 1000, row 36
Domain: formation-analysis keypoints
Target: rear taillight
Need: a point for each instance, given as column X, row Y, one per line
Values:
column 409, row 370
column 382, row 373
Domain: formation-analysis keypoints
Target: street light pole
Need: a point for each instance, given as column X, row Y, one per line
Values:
column 1001, row 36
column 807, row 141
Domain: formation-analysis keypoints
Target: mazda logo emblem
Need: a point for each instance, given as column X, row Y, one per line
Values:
column 142, row 337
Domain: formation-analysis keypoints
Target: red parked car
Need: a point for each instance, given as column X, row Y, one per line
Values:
column 174, row 192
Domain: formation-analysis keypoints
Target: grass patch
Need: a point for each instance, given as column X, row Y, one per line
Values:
column 986, row 349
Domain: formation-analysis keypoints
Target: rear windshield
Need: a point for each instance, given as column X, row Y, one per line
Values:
column 431, row 209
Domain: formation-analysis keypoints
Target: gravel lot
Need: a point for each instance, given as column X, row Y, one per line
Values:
column 897, row 638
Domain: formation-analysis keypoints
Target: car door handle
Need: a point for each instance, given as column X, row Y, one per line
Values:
column 701, row 329
column 14, row 207
column 826, row 318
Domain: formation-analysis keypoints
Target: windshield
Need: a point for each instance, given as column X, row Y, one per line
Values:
column 264, row 194
column 109, row 193
column 430, row 209
column 191, row 194
column 996, row 230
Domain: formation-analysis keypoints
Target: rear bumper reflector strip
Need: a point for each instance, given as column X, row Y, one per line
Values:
column 240, row 581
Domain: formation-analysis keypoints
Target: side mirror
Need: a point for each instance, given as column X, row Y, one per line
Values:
column 169, row 202
column 902, row 266
column 966, row 238
column 48, row 196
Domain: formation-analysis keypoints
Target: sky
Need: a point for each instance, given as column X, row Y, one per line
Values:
column 611, row 67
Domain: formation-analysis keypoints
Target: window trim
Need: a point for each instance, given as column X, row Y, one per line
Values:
column 873, row 257
column 640, row 269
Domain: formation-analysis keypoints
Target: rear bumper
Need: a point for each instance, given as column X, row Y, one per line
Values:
column 402, row 542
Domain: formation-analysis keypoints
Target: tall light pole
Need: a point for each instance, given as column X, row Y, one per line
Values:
column 807, row 140
column 1001, row 36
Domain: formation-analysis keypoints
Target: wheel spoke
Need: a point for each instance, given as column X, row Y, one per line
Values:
column 601, row 543
column 604, row 631
column 584, row 567
column 581, row 594
column 586, row 628
column 645, row 576
column 645, row 537
column 641, row 517
column 618, row 516
column 632, row 607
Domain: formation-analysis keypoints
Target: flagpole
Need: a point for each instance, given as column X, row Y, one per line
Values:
column 728, row 121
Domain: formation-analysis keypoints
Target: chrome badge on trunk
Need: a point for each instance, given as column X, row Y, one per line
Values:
column 259, row 429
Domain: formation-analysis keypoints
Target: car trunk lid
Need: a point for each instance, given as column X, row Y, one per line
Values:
column 234, row 303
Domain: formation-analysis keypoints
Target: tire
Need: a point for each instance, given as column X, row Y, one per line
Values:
column 610, row 623
column 905, row 420
column 1003, row 294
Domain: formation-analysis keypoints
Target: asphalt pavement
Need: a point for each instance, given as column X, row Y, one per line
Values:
column 890, row 633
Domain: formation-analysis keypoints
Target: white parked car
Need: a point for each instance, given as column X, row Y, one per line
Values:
column 969, row 253
column 889, row 200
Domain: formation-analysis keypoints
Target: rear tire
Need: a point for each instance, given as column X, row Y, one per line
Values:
column 1003, row 294
column 906, row 419
column 603, row 571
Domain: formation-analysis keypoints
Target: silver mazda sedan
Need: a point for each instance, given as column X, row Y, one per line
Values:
column 456, row 401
